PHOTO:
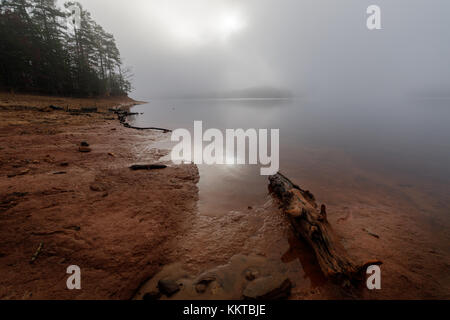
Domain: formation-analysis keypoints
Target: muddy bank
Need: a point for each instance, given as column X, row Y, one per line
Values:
column 61, row 207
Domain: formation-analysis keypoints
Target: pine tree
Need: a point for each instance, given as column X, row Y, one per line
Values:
column 38, row 53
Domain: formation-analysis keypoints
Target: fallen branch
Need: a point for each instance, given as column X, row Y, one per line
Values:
column 312, row 225
column 122, row 115
column 126, row 125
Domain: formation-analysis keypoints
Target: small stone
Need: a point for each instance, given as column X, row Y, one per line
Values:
column 84, row 149
column 168, row 287
column 84, row 144
column 64, row 164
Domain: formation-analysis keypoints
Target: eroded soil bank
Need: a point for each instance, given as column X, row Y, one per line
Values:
column 85, row 208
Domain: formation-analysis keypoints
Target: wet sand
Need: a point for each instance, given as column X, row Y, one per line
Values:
column 374, row 217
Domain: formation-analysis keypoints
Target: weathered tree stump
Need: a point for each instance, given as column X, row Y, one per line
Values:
column 311, row 224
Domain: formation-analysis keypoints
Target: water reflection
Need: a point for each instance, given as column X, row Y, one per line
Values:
column 398, row 138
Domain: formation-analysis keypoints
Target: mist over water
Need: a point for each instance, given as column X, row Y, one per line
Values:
column 376, row 101
column 318, row 49
column 404, row 139
column 407, row 135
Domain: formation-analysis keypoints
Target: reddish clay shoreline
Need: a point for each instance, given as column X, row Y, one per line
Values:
column 128, row 229
column 83, row 208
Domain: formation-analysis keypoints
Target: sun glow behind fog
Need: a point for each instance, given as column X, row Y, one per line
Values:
column 197, row 22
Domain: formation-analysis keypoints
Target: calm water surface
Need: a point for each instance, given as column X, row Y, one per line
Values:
column 403, row 139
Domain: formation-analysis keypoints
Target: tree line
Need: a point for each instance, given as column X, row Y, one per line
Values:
column 62, row 51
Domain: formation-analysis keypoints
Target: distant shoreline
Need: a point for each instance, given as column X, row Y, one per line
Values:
column 220, row 99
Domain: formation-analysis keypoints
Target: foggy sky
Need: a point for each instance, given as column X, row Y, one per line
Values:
column 312, row 47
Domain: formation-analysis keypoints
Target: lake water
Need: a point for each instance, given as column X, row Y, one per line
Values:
column 403, row 142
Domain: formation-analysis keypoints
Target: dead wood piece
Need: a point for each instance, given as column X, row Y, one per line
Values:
column 126, row 125
column 147, row 167
column 311, row 224
column 371, row 233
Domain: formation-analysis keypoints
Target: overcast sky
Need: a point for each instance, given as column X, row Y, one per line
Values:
column 312, row 47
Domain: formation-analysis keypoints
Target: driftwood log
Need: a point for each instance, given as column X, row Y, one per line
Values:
column 310, row 223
